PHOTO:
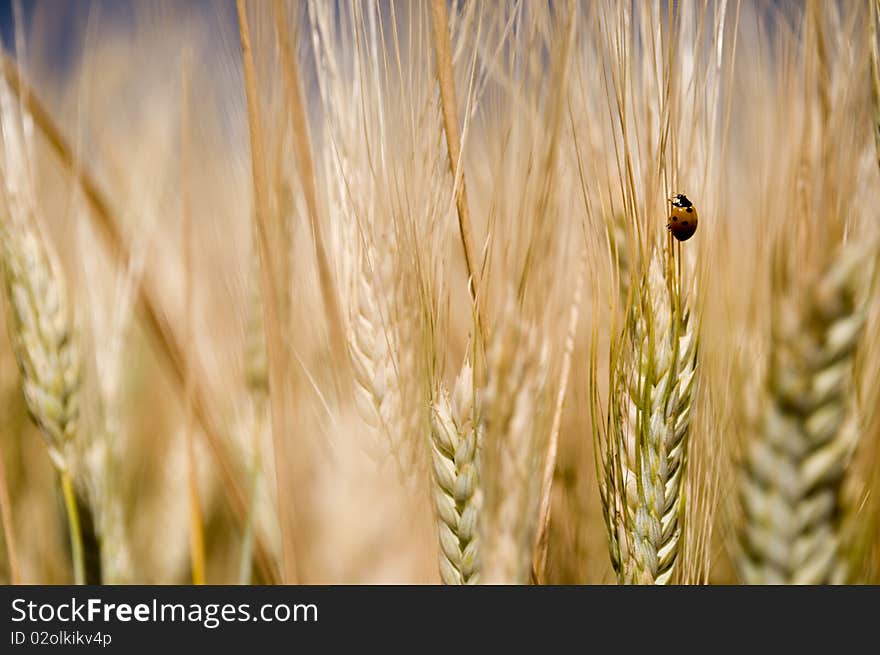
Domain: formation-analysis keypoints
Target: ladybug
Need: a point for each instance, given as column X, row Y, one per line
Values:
column 683, row 220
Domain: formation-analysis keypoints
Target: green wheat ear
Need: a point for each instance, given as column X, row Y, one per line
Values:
column 793, row 471
column 642, row 454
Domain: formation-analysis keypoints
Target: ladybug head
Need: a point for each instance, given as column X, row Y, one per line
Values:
column 681, row 200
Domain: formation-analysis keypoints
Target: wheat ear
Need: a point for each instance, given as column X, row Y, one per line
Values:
column 455, row 446
column 40, row 320
column 514, row 420
column 168, row 342
column 381, row 347
column 791, row 478
column 643, row 456
column 47, row 353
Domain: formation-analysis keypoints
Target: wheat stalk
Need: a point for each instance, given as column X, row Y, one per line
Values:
column 446, row 82
column 539, row 559
column 267, row 232
column 793, row 470
column 296, row 105
column 8, row 531
column 643, row 454
column 257, row 383
column 197, row 530
column 875, row 75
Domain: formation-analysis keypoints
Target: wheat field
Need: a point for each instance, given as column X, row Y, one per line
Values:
column 377, row 291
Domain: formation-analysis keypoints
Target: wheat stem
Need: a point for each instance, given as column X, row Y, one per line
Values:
column 247, row 544
column 446, row 82
column 76, row 540
column 539, row 559
column 196, row 530
column 277, row 356
column 257, row 381
column 303, row 152
column 8, row 531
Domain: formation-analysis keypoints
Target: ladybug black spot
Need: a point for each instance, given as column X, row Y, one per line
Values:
column 684, row 223
column 689, row 210
column 683, row 232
